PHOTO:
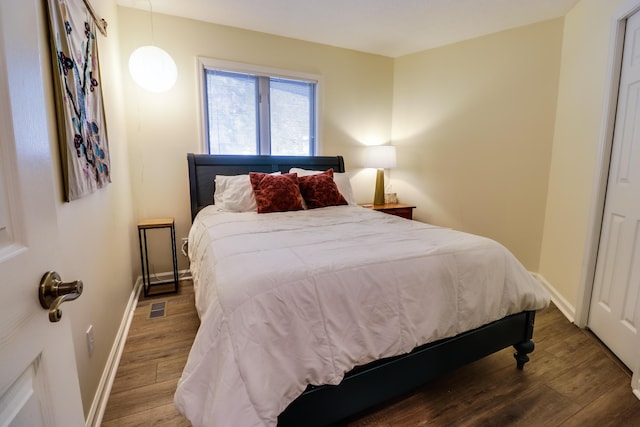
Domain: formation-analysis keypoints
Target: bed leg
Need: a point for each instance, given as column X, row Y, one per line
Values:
column 522, row 350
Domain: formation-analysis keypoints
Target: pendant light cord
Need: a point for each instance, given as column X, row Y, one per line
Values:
column 153, row 39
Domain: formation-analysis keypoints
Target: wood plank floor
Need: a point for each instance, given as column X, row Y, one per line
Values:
column 154, row 355
column 572, row 380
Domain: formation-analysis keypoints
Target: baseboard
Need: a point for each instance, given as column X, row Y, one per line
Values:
column 100, row 399
column 558, row 300
column 168, row 275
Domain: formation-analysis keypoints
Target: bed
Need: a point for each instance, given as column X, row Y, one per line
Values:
column 338, row 367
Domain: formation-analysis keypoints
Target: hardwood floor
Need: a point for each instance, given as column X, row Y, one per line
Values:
column 154, row 355
column 572, row 380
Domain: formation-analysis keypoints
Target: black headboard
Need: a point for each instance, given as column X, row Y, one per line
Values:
column 204, row 167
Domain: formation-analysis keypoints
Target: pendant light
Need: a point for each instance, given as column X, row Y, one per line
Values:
column 153, row 68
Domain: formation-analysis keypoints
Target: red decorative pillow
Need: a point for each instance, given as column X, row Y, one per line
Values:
column 320, row 190
column 276, row 193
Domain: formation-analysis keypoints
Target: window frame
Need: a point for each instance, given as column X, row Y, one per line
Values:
column 205, row 63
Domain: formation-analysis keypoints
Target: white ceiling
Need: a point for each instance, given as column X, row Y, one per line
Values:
column 385, row 27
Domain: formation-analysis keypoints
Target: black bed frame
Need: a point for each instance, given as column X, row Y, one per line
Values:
column 379, row 381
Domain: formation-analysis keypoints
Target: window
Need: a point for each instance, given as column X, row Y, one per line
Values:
column 258, row 112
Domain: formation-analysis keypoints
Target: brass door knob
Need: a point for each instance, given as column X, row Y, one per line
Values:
column 53, row 292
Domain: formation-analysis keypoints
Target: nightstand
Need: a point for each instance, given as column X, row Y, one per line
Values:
column 397, row 209
column 143, row 227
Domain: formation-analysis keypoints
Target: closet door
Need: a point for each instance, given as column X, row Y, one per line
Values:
column 614, row 314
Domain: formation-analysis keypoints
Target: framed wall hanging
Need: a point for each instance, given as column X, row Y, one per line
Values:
column 82, row 130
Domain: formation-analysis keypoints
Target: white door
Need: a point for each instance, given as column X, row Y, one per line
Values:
column 38, row 377
column 614, row 315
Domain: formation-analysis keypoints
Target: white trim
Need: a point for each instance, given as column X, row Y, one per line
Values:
column 587, row 275
column 168, row 275
column 202, row 99
column 258, row 70
column 635, row 381
column 100, row 399
column 561, row 302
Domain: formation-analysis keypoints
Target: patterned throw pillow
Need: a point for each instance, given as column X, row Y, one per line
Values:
column 276, row 193
column 320, row 190
column 342, row 180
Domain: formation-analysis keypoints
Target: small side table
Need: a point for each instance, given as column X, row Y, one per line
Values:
column 397, row 209
column 149, row 224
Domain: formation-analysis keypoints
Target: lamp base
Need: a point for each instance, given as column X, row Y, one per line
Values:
column 378, row 197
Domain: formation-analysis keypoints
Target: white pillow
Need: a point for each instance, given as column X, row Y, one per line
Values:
column 234, row 193
column 342, row 180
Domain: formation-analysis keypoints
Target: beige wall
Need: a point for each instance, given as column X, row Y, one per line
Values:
column 473, row 123
column 356, row 102
column 98, row 240
column 581, row 101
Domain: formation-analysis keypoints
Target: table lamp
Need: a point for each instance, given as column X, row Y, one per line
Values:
column 380, row 157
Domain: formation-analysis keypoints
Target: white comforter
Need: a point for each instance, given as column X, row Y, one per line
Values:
column 297, row 298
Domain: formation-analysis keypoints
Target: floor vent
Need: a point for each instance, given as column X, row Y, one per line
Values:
column 157, row 309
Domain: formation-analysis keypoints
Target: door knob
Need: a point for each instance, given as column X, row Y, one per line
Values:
column 53, row 292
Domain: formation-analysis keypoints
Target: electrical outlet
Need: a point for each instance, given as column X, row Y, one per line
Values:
column 91, row 342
